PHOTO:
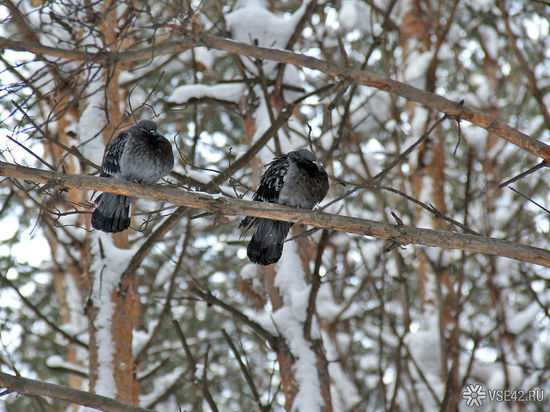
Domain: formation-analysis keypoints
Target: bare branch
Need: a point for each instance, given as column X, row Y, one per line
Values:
column 221, row 205
column 209, row 298
column 315, row 284
column 202, row 381
column 37, row 388
column 247, row 374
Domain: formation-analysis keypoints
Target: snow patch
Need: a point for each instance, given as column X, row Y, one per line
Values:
column 91, row 124
column 253, row 22
column 109, row 264
column 355, row 15
column 289, row 320
column 520, row 321
column 230, row 92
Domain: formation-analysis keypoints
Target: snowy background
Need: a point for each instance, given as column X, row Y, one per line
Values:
column 400, row 330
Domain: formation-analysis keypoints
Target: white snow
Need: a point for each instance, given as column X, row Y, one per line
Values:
column 56, row 361
column 490, row 40
column 480, row 5
column 203, row 56
column 356, row 15
column 290, row 277
column 91, row 124
column 424, row 345
column 328, row 309
column 418, row 123
column 164, row 273
column 475, row 136
column 498, row 379
column 308, row 397
column 229, row 92
column 78, row 322
column 201, row 176
column 139, row 339
column 160, row 385
column 159, row 63
column 415, row 71
column 520, row 321
column 252, row 22
column 289, row 319
column 107, row 271
column 484, row 92
column 248, row 271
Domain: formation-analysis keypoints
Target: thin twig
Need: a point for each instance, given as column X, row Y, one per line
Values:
column 247, row 374
column 274, row 341
column 201, row 381
column 70, row 150
column 315, row 284
column 378, row 178
column 523, row 174
column 529, row 199
column 37, row 312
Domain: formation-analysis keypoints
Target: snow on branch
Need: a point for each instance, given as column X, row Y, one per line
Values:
column 400, row 234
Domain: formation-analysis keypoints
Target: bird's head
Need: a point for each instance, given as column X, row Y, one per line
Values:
column 303, row 154
column 148, row 126
column 150, row 129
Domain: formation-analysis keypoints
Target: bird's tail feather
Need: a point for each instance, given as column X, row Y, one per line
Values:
column 112, row 213
column 266, row 245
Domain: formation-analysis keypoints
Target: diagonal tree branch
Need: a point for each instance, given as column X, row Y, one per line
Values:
column 364, row 77
column 37, row 388
column 401, row 234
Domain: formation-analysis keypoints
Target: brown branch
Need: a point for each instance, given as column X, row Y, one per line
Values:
column 37, row 388
column 401, row 234
column 146, row 247
column 274, row 341
column 363, row 77
column 247, row 374
column 202, row 382
column 315, row 284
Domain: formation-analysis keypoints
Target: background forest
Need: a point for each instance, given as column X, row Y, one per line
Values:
column 421, row 111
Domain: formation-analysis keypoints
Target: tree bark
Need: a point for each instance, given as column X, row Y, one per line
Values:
column 401, row 234
column 33, row 387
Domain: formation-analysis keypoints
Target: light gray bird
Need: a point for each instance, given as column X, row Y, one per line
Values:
column 138, row 154
column 294, row 179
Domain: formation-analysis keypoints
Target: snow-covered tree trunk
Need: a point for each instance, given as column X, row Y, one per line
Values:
column 112, row 306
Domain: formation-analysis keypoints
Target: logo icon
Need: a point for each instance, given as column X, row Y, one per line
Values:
column 474, row 394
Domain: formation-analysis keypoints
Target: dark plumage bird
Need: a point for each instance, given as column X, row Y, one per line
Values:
column 294, row 179
column 138, row 154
